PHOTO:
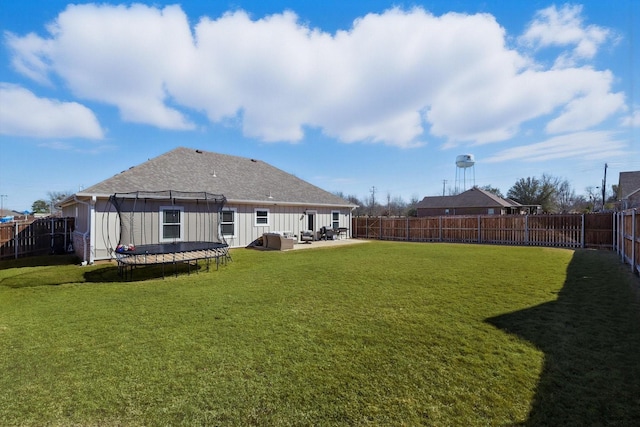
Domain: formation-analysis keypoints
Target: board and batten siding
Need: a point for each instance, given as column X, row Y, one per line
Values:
column 104, row 223
column 282, row 218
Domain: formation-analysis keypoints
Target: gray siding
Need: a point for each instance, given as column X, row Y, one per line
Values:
column 281, row 219
column 142, row 224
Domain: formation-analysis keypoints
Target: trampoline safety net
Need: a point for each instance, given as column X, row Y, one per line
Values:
column 168, row 227
column 160, row 217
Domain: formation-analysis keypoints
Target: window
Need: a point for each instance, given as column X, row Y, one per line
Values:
column 171, row 224
column 228, row 223
column 262, row 217
column 335, row 219
column 491, row 211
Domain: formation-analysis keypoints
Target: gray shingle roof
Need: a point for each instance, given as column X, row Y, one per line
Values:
column 473, row 198
column 239, row 179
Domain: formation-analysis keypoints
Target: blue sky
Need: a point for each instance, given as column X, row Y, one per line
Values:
column 346, row 95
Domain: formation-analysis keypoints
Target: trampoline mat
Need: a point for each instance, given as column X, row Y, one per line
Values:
column 172, row 248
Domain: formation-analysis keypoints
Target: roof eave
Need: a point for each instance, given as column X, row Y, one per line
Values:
column 284, row 202
column 70, row 200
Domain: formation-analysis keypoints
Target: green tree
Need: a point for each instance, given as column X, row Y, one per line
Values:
column 525, row 191
column 40, row 206
column 544, row 192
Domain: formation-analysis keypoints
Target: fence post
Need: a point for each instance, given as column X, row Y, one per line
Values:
column 66, row 220
column 407, row 229
column 526, row 229
column 582, row 232
column 613, row 237
column 15, row 241
column 633, row 241
column 440, row 227
column 366, row 226
column 623, row 237
column 479, row 232
column 52, row 235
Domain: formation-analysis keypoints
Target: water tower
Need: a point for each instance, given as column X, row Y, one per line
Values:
column 464, row 162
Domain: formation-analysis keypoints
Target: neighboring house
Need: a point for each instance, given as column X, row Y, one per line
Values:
column 629, row 190
column 471, row 202
column 259, row 199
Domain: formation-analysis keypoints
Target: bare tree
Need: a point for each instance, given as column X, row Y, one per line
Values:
column 492, row 190
column 565, row 197
column 55, row 197
column 411, row 209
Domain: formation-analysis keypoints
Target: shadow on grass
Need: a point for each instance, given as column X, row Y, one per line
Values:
column 39, row 261
column 57, row 270
column 590, row 337
column 147, row 272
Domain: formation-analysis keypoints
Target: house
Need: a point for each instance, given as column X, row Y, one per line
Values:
column 471, row 202
column 259, row 198
column 629, row 190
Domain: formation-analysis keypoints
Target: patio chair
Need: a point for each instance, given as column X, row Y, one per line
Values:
column 306, row 236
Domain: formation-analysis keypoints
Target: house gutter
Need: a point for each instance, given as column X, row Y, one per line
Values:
column 90, row 229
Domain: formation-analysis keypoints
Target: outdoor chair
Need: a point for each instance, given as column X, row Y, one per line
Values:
column 306, row 236
column 327, row 233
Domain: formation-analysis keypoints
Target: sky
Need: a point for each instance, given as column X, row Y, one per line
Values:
column 360, row 97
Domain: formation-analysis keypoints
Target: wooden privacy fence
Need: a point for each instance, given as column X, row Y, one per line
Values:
column 627, row 237
column 570, row 231
column 40, row 237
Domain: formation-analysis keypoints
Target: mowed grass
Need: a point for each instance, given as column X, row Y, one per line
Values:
column 379, row 333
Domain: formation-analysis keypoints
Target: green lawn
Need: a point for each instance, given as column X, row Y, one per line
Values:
column 380, row 333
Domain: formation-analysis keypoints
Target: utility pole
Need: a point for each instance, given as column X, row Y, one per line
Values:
column 2, row 197
column 373, row 199
column 444, row 183
column 388, row 204
column 604, row 185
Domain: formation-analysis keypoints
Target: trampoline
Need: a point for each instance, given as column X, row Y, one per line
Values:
column 168, row 228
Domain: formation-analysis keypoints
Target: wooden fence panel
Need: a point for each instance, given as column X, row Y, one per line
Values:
column 598, row 230
column 569, row 231
column 40, row 237
column 504, row 230
column 425, row 229
column 627, row 241
column 555, row 230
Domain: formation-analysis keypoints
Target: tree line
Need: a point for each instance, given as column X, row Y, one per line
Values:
column 553, row 194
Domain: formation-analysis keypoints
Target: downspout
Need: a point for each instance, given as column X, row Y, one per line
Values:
column 350, row 232
column 90, row 227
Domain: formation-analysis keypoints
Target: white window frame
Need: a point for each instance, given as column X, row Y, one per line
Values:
column 235, row 222
column 335, row 223
column 255, row 217
column 162, row 223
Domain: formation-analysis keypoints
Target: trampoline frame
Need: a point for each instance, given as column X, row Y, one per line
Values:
column 172, row 253
column 130, row 256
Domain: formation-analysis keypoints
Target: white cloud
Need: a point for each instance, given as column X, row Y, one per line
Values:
column 633, row 119
column 580, row 145
column 30, row 53
column 597, row 103
column 564, row 27
column 391, row 78
column 24, row 114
